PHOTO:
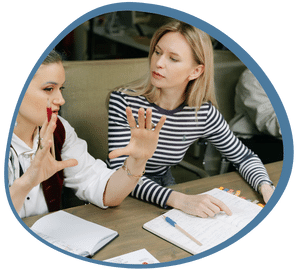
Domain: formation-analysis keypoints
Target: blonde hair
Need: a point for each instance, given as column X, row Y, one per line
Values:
column 199, row 90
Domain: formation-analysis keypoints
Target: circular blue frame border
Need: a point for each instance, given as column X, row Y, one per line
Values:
column 241, row 54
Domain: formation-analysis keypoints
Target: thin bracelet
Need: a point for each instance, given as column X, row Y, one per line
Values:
column 262, row 183
column 124, row 167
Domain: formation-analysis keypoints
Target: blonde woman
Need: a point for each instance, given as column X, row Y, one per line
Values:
column 180, row 85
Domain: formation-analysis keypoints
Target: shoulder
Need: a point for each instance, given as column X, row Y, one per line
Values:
column 128, row 97
column 205, row 109
column 248, row 84
column 122, row 93
column 210, row 113
column 193, row 113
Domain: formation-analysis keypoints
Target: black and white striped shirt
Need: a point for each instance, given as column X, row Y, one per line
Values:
column 180, row 130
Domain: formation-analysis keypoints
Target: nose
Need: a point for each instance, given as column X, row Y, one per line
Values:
column 160, row 62
column 59, row 99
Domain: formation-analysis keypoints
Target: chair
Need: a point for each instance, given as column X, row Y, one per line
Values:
column 87, row 86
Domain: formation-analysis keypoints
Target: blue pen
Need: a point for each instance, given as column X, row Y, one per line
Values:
column 174, row 224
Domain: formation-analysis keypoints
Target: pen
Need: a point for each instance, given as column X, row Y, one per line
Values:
column 49, row 113
column 174, row 224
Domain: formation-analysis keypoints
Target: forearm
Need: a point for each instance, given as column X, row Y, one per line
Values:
column 254, row 172
column 126, row 138
column 121, row 183
column 18, row 192
column 248, row 164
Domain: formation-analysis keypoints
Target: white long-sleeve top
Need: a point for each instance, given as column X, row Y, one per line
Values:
column 180, row 130
column 88, row 179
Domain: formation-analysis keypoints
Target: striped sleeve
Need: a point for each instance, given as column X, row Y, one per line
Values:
column 119, row 137
column 248, row 164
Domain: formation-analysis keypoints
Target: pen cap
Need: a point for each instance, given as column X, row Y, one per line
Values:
column 170, row 221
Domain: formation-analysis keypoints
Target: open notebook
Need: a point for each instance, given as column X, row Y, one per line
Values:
column 209, row 231
column 72, row 233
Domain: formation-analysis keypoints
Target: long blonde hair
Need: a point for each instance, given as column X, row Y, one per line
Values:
column 199, row 90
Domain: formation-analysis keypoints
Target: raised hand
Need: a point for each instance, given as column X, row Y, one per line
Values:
column 44, row 164
column 144, row 137
column 41, row 168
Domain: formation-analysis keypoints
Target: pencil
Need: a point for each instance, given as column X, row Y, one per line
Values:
column 174, row 224
column 49, row 113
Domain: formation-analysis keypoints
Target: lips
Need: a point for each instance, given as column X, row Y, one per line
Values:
column 157, row 75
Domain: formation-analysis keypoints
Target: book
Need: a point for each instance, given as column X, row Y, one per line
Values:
column 141, row 256
column 72, row 233
column 209, row 231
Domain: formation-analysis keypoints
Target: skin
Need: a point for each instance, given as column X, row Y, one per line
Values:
column 46, row 86
column 172, row 67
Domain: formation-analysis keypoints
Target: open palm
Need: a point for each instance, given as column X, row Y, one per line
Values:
column 44, row 164
column 144, row 137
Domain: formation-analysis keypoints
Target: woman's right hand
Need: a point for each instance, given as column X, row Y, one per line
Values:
column 198, row 205
column 44, row 164
column 42, row 167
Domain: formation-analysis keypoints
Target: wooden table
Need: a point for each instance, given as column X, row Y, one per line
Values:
column 128, row 218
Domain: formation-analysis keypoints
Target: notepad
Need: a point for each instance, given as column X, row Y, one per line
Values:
column 209, row 231
column 72, row 233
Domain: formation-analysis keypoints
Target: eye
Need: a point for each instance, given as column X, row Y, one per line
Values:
column 157, row 52
column 62, row 88
column 173, row 59
column 48, row 89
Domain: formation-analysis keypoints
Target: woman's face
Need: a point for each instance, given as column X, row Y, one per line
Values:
column 172, row 63
column 46, row 84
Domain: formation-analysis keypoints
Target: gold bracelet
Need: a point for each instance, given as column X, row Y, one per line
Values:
column 124, row 167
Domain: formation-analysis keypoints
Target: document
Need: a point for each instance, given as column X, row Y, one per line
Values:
column 209, row 231
column 141, row 256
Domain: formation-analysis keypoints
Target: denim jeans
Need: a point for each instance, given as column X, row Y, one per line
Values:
column 164, row 180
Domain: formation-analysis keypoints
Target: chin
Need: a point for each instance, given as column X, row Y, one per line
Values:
column 156, row 84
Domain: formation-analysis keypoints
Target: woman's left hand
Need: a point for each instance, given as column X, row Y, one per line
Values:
column 144, row 137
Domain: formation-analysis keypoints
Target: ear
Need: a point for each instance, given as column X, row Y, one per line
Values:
column 198, row 70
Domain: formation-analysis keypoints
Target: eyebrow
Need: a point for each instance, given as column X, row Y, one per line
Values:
column 55, row 83
column 174, row 53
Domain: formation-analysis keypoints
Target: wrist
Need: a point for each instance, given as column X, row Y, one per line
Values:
column 25, row 182
column 265, row 186
column 134, row 167
column 175, row 199
column 138, row 162
column 21, row 187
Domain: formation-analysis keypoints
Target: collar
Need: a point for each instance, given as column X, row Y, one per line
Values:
column 21, row 147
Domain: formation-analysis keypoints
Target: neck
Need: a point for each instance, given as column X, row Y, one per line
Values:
column 170, row 100
column 26, row 133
